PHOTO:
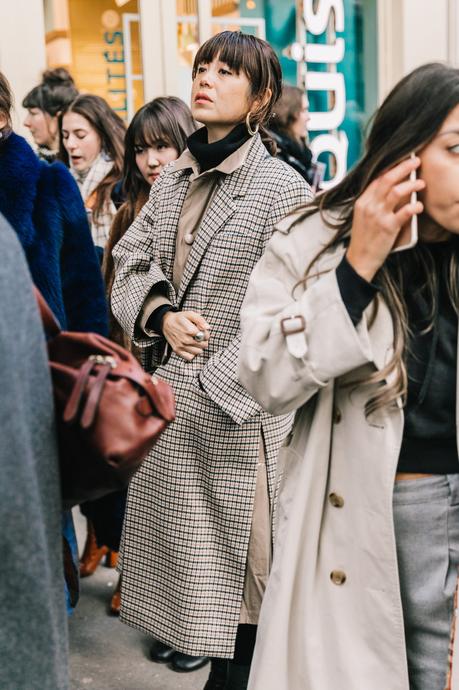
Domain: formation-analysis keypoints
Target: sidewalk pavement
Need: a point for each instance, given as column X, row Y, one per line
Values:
column 108, row 655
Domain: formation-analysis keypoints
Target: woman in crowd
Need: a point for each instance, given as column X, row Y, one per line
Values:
column 44, row 104
column 196, row 548
column 42, row 203
column 361, row 342
column 289, row 129
column 92, row 144
column 156, row 136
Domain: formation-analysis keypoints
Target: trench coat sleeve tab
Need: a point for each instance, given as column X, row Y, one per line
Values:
column 280, row 381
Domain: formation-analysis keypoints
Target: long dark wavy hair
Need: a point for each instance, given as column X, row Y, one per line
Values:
column 111, row 130
column 259, row 63
column 166, row 119
column 408, row 119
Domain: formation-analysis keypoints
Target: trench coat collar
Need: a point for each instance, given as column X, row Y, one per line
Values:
column 230, row 186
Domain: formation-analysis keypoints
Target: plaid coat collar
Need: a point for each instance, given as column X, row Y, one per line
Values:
column 229, row 187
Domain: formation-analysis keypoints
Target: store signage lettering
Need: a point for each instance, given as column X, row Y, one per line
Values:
column 116, row 71
column 317, row 17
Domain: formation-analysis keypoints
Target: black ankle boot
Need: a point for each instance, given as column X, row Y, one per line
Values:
column 217, row 676
column 238, row 676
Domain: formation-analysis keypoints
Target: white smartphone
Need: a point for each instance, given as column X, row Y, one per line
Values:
column 408, row 235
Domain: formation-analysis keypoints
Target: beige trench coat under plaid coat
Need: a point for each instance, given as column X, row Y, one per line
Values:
column 189, row 510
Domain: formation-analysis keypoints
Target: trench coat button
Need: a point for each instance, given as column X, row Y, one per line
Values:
column 336, row 500
column 337, row 416
column 338, row 577
column 189, row 239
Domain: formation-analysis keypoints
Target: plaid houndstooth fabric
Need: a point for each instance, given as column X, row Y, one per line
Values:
column 189, row 511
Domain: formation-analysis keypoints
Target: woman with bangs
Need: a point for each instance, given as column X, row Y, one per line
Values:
column 156, row 136
column 360, row 339
column 197, row 534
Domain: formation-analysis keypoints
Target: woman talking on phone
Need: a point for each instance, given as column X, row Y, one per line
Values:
column 361, row 341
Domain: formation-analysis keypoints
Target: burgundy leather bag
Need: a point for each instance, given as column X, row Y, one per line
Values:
column 109, row 411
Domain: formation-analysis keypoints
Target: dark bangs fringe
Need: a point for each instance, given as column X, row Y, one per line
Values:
column 149, row 131
column 233, row 48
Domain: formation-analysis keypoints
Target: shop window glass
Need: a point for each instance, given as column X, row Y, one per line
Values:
column 187, row 42
column 106, row 52
column 335, row 59
column 238, row 15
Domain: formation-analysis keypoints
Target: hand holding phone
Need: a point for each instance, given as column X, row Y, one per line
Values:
column 408, row 236
column 383, row 218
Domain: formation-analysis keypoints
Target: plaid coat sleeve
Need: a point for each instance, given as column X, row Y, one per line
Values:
column 219, row 376
column 137, row 273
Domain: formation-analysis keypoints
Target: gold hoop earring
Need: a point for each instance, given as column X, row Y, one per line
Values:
column 251, row 131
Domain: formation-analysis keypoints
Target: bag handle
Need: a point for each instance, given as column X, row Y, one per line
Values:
column 50, row 322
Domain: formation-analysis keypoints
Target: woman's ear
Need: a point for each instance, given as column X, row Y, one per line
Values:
column 3, row 120
column 260, row 103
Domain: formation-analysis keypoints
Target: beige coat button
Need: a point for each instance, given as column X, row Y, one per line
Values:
column 336, row 500
column 337, row 416
column 338, row 577
column 189, row 238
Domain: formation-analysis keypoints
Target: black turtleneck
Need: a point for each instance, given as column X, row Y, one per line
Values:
column 429, row 437
column 211, row 155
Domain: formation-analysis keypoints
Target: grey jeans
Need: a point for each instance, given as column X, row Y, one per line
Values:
column 426, row 518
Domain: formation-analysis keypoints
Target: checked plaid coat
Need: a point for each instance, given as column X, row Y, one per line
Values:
column 189, row 510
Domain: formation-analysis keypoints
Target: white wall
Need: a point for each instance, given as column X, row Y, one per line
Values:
column 22, row 48
column 413, row 32
column 158, row 26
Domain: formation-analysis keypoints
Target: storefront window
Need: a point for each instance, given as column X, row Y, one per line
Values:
column 238, row 15
column 187, row 43
column 330, row 49
column 104, row 53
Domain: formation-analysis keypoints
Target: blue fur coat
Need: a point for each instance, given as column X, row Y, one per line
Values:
column 44, row 206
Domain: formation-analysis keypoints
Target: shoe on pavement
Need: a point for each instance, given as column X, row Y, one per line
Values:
column 161, row 653
column 184, row 663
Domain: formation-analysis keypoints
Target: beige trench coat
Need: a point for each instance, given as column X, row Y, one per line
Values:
column 332, row 615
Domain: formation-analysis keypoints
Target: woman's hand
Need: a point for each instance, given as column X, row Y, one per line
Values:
column 379, row 215
column 179, row 329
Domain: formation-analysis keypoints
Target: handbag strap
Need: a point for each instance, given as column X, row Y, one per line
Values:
column 50, row 323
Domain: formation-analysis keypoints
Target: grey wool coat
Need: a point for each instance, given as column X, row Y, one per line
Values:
column 189, row 511
column 33, row 619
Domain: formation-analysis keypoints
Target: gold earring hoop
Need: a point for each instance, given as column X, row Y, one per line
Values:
column 251, row 131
